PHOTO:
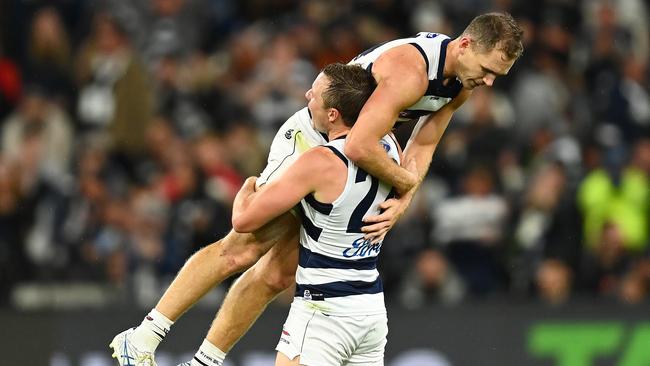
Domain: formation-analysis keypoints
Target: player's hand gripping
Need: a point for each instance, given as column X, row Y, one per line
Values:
column 391, row 210
column 244, row 194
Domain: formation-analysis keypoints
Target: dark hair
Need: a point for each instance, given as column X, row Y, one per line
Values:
column 500, row 30
column 349, row 89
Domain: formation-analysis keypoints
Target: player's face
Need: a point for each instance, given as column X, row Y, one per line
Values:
column 319, row 114
column 482, row 68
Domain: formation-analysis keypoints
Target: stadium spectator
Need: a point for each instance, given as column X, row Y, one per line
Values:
column 42, row 127
column 606, row 264
column 14, row 223
column 554, row 282
column 49, row 56
column 548, row 235
column 10, row 84
column 114, row 91
column 185, row 91
column 616, row 194
column 470, row 227
column 431, row 281
column 275, row 89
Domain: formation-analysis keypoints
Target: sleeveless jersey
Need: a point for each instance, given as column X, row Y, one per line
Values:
column 337, row 270
column 433, row 47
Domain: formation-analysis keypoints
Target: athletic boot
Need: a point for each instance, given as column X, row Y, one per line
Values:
column 127, row 354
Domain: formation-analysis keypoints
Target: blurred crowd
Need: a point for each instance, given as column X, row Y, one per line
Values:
column 127, row 128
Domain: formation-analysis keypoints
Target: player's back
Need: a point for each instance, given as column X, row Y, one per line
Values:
column 337, row 269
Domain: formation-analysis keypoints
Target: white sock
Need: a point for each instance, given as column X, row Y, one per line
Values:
column 153, row 329
column 208, row 355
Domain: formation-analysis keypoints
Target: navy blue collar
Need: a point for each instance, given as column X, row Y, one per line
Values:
column 441, row 59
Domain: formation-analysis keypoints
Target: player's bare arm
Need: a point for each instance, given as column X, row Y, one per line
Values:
column 317, row 171
column 401, row 81
column 427, row 135
column 418, row 153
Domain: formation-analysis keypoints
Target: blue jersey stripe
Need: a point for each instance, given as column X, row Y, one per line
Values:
column 438, row 89
column 309, row 259
column 324, row 208
column 312, row 230
column 424, row 54
column 339, row 289
column 441, row 59
column 338, row 153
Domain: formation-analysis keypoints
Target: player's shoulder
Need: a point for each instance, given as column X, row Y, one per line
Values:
column 404, row 53
column 404, row 63
column 325, row 156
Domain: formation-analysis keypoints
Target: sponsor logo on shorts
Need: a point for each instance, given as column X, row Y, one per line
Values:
column 313, row 296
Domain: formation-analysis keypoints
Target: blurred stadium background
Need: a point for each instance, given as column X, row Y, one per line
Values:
column 127, row 127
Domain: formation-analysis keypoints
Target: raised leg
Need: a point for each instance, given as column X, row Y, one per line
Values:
column 204, row 270
column 256, row 288
column 207, row 268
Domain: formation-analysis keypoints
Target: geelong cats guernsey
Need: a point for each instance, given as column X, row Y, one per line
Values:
column 337, row 270
column 433, row 48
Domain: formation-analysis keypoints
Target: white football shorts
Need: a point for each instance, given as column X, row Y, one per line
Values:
column 326, row 340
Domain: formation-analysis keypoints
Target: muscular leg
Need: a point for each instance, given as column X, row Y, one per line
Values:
column 214, row 263
column 258, row 286
column 204, row 270
column 218, row 261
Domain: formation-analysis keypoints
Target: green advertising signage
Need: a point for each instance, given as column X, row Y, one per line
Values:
column 581, row 344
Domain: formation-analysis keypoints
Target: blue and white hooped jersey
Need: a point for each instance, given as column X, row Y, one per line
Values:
column 337, row 270
column 433, row 47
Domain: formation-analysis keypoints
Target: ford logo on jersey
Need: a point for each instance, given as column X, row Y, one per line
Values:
column 362, row 248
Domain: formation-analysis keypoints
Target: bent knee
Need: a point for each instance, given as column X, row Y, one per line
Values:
column 246, row 258
column 277, row 278
column 280, row 281
column 237, row 252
